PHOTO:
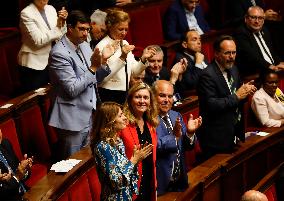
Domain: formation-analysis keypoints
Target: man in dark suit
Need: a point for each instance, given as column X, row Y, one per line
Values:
column 191, row 50
column 255, row 50
column 183, row 15
column 12, row 173
column 237, row 10
column 157, row 71
column 174, row 138
column 220, row 94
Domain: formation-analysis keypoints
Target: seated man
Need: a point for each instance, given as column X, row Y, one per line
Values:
column 12, row 173
column 156, row 71
column 191, row 50
column 134, row 79
column 183, row 15
column 237, row 10
column 174, row 138
column 266, row 104
column 255, row 50
column 253, row 195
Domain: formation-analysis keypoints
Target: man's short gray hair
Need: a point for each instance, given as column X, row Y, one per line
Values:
column 98, row 17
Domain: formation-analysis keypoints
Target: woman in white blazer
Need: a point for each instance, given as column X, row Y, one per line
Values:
column 40, row 25
column 122, row 63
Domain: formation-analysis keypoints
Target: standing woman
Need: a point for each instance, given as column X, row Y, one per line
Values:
column 117, row 174
column 140, row 109
column 122, row 63
column 40, row 25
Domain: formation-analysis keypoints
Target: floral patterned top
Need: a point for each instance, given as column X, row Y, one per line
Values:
column 118, row 176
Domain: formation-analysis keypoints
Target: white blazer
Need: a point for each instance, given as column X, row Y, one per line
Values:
column 37, row 37
column 116, row 80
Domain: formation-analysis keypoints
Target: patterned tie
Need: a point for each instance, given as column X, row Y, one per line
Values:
column 22, row 189
column 233, row 90
column 176, row 163
column 231, row 81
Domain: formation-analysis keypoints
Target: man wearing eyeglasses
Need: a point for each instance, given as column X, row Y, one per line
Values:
column 220, row 95
column 255, row 49
column 183, row 15
column 75, row 71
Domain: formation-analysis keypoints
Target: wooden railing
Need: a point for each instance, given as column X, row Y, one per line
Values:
column 224, row 177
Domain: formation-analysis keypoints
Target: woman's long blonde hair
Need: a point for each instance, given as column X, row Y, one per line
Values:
column 103, row 122
column 151, row 115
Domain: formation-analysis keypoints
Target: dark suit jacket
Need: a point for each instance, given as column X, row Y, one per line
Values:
column 191, row 76
column 9, row 191
column 167, row 153
column 218, row 106
column 237, row 10
column 176, row 24
column 249, row 56
column 150, row 78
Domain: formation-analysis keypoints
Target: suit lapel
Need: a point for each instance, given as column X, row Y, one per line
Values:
column 73, row 54
column 220, row 78
column 39, row 18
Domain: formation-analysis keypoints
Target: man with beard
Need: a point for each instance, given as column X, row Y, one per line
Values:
column 220, row 95
column 75, row 71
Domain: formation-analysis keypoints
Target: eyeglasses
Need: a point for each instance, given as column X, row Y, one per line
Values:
column 252, row 17
column 82, row 29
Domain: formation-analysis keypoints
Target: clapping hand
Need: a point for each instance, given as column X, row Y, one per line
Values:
column 62, row 16
column 125, row 49
column 141, row 152
column 193, row 124
column 148, row 53
column 245, row 90
column 177, row 70
column 24, row 166
column 177, row 130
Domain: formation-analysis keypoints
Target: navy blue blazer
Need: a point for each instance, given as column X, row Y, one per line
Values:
column 9, row 190
column 218, row 106
column 176, row 24
column 167, row 152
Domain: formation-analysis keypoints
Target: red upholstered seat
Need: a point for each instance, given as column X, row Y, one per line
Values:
column 9, row 131
column 208, row 51
column 6, row 83
column 50, row 131
column 94, row 183
column 146, row 28
column 251, row 121
column 80, row 190
column 63, row 197
column 271, row 193
column 34, row 139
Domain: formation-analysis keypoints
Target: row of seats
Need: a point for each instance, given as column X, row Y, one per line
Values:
column 25, row 125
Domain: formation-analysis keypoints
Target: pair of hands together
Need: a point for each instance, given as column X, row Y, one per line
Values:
column 192, row 126
column 22, row 170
